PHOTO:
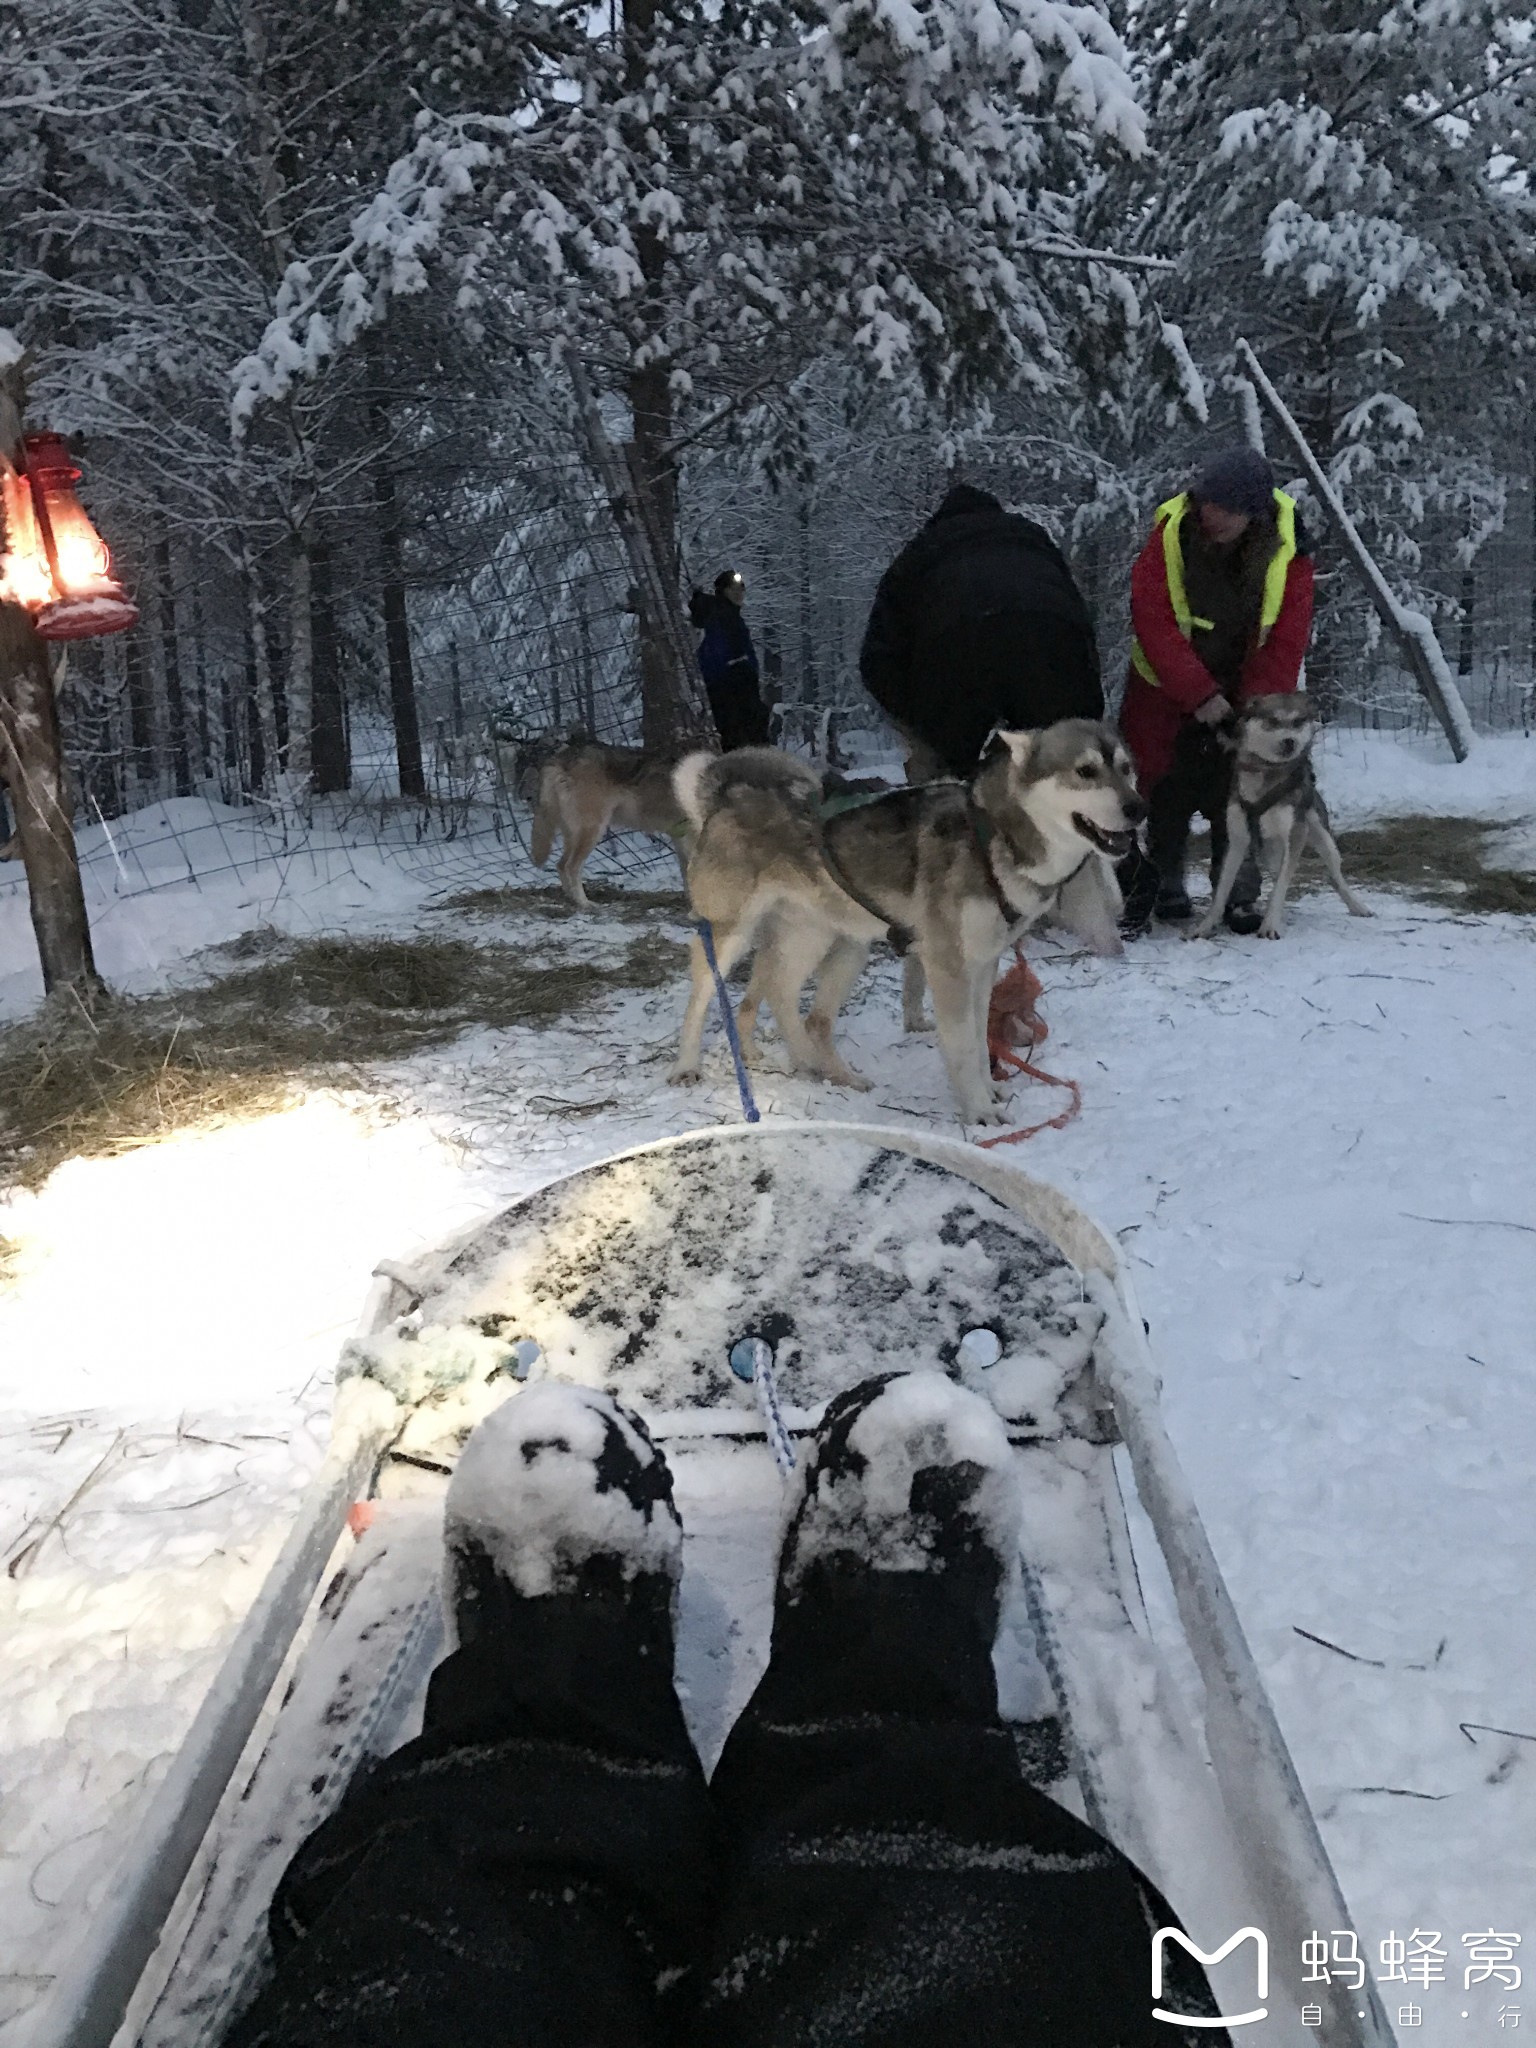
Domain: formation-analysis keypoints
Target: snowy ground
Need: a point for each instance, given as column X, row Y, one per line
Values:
column 1321, row 1155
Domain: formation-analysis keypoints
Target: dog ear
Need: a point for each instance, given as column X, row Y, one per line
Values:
column 1020, row 745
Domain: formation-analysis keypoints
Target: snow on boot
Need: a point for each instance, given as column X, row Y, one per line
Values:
column 560, row 1492
column 910, row 1476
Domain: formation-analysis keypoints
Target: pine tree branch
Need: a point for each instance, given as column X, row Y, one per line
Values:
column 1478, row 92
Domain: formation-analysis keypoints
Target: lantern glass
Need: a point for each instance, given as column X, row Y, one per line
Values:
column 25, row 577
column 80, row 560
column 80, row 550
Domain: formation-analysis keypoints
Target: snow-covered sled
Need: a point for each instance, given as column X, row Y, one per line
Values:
column 727, row 1284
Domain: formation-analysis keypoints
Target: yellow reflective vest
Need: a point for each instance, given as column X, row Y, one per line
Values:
column 1170, row 515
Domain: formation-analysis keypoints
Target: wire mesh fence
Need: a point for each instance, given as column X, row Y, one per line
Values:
column 521, row 626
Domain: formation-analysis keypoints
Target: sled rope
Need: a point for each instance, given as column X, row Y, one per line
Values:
column 749, row 1108
column 766, row 1387
column 1014, row 1021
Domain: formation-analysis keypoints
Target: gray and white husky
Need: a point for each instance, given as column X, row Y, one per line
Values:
column 954, row 871
column 588, row 789
column 1274, row 809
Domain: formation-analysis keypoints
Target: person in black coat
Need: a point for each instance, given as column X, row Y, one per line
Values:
column 728, row 663
column 977, row 623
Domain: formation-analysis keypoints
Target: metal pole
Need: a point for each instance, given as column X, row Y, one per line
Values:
column 1413, row 631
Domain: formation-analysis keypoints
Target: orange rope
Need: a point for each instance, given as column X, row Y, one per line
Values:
column 1013, row 1021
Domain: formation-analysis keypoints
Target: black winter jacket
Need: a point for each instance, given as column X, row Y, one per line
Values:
column 978, row 623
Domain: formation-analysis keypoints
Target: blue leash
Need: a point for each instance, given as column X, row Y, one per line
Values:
column 749, row 1108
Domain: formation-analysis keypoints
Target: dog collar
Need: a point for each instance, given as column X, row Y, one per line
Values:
column 984, row 830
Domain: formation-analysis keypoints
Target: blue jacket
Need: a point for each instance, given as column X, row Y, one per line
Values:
column 727, row 658
column 728, row 664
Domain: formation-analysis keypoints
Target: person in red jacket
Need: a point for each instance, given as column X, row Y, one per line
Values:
column 1221, row 608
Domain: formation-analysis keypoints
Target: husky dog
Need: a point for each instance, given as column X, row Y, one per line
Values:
column 953, row 870
column 1274, row 809
column 588, row 789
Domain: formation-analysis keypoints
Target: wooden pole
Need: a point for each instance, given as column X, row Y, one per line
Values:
column 32, row 762
column 1412, row 630
column 682, row 693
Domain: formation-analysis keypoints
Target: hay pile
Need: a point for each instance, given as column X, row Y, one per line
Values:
column 248, row 1042
column 1443, row 860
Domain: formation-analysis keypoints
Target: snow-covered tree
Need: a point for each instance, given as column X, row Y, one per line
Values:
column 1350, row 187
column 158, row 170
column 712, row 198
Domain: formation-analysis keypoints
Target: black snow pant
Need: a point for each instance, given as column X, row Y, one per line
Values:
column 1198, row 782
column 545, row 1868
column 741, row 717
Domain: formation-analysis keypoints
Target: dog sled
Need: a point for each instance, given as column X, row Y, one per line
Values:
column 727, row 1284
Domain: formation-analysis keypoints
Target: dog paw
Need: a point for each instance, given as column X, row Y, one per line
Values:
column 918, row 1027
column 985, row 1113
column 1199, row 931
column 849, row 1079
column 1269, row 931
column 683, row 1077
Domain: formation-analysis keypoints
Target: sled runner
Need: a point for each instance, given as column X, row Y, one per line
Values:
column 727, row 1284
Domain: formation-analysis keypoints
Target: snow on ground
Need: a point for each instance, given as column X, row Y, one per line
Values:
column 1320, row 1155
column 175, row 877
column 1369, row 775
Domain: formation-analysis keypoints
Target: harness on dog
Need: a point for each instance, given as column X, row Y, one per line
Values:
column 899, row 937
column 1288, row 785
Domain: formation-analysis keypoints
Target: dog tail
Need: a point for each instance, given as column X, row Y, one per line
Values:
column 546, row 818
column 704, row 783
column 691, row 785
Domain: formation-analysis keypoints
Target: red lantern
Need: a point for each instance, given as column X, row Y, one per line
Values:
column 56, row 563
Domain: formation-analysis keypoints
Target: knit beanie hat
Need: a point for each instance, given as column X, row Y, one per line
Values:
column 1240, row 480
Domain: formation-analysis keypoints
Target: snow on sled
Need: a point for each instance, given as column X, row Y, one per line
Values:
column 728, row 1284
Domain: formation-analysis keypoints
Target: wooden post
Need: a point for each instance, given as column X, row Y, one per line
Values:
column 32, row 762
column 1412, row 630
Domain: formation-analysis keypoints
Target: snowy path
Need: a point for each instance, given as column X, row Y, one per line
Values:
column 1265, row 1126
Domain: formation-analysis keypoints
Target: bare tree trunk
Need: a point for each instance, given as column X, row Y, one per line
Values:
column 175, row 699
column 200, row 652
column 333, row 769
column 229, row 752
column 655, row 487
column 266, row 740
column 32, row 762
column 458, row 690
column 255, row 739
column 588, row 678
column 112, row 794
column 141, row 725
column 397, row 624
column 300, row 678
